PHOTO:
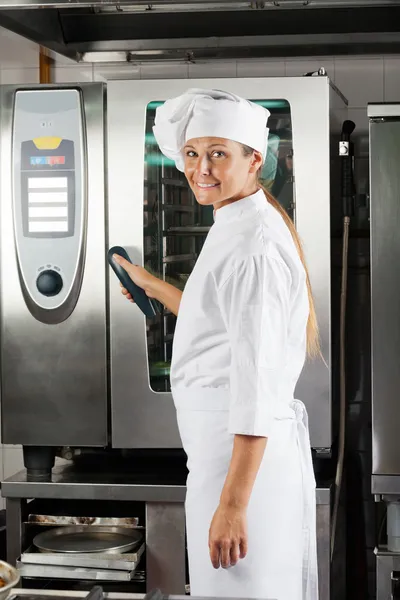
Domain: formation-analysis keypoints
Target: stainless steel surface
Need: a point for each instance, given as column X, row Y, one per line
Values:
column 51, row 594
column 145, row 418
column 245, row 46
column 79, row 539
column 76, row 573
column 44, row 593
column 68, row 484
column 113, row 25
column 386, row 564
column 21, row 592
column 15, row 538
column 188, row 5
column 240, row 47
column 42, row 404
column 385, row 484
column 379, row 110
column 10, row 577
column 52, row 520
column 323, row 495
column 385, row 290
column 323, row 547
column 165, row 547
column 120, row 562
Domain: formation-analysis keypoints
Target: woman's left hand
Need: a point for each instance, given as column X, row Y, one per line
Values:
column 227, row 537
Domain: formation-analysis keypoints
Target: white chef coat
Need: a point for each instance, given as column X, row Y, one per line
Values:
column 239, row 348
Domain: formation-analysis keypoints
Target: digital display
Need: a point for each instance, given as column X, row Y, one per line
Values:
column 47, row 160
column 48, row 187
column 47, row 204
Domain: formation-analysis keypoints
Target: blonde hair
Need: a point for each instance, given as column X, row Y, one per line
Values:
column 313, row 343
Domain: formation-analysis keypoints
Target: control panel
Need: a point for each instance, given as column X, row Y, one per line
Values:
column 49, row 196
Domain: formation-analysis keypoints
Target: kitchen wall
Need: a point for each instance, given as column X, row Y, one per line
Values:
column 361, row 80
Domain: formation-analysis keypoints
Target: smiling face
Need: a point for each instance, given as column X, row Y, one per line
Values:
column 218, row 170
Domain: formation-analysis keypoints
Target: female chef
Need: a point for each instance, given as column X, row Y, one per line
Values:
column 246, row 320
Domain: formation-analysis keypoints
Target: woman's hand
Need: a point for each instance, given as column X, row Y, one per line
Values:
column 139, row 275
column 154, row 287
column 228, row 536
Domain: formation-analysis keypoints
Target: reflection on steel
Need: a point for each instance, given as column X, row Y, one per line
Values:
column 64, row 520
column 194, row 5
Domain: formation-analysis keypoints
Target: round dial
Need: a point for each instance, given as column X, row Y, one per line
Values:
column 49, row 283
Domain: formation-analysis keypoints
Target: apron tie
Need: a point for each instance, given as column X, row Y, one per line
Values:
column 310, row 569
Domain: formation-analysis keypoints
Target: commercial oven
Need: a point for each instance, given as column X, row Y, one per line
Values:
column 81, row 172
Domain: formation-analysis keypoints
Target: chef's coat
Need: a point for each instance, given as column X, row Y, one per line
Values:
column 243, row 316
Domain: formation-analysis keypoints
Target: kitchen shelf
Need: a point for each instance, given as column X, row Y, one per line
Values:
column 180, row 207
column 188, row 230
column 179, row 258
column 174, row 182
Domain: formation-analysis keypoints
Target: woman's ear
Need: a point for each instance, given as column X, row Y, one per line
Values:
column 256, row 162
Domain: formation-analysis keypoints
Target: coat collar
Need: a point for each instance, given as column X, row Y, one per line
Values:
column 239, row 208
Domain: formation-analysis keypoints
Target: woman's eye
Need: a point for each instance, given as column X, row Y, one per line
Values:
column 190, row 153
column 218, row 154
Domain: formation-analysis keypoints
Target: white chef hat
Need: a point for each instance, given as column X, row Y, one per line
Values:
column 209, row 113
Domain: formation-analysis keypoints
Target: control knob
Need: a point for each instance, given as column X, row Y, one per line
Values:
column 49, row 283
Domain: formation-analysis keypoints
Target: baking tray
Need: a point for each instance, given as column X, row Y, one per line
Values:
column 59, row 520
column 120, row 562
column 83, row 539
column 76, row 573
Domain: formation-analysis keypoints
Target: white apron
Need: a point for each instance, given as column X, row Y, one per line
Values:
column 281, row 563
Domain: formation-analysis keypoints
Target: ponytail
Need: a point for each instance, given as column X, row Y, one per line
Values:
column 313, row 345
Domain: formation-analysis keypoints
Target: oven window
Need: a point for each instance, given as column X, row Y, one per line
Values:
column 175, row 226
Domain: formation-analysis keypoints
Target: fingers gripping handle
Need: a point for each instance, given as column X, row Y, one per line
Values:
column 146, row 305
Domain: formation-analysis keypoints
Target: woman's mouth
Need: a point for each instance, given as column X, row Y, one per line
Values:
column 207, row 186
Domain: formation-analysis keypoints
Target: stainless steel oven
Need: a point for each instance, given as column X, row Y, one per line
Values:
column 81, row 172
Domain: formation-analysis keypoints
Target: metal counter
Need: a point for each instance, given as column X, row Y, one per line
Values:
column 67, row 483
column 165, row 519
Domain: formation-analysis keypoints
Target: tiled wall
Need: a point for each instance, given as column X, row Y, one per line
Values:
column 361, row 80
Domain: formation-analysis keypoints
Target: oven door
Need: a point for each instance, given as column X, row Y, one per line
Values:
column 154, row 215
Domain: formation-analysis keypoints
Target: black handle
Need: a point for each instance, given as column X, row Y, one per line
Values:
column 155, row 594
column 96, row 593
column 146, row 305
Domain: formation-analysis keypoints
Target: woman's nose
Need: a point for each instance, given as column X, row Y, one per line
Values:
column 204, row 165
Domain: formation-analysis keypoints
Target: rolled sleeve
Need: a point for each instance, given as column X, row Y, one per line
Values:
column 255, row 307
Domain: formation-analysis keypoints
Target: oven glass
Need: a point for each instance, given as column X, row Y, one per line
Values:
column 175, row 226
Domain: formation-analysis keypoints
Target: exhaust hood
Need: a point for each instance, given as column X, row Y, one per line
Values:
column 128, row 30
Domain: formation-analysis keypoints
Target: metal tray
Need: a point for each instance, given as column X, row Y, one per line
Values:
column 83, row 539
column 119, row 562
column 76, row 573
column 59, row 520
